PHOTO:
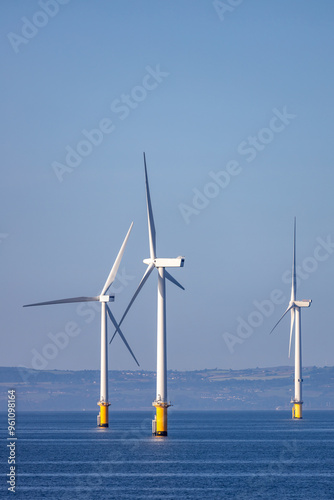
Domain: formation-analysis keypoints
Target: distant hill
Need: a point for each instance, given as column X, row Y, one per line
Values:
column 258, row 389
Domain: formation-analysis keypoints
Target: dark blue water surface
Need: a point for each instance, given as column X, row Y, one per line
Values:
column 207, row 455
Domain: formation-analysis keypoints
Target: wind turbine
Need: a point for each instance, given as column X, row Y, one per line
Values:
column 295, row 306
column 161, row 403
column 102, row 419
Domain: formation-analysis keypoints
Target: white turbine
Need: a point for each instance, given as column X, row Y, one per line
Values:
column 104, row 299
column 159, row 425
column 295, row 306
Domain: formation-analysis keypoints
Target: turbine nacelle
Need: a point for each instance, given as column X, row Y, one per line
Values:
column 302, row 303
column 298, row 303
column 178, row 262
column 107, row 298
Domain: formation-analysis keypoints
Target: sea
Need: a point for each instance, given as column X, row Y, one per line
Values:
column 207, row 455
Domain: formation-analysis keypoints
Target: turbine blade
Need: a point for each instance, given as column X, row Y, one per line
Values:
column 140, row 286
column 294, row 281
column 151, row 226
column 64, row 301
column 288, row 309
column 172, row 279
column 113, row 320
column 113, row 272
column 291, row 328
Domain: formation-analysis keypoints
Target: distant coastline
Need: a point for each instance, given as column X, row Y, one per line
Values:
column 210, row 389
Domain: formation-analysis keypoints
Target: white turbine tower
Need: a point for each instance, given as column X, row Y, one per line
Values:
column 103, row 420
column 161, row 403
column 295, row 306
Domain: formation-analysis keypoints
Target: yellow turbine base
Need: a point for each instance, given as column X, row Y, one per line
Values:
column 161, row 417
column 297, row 410
column 104, row 414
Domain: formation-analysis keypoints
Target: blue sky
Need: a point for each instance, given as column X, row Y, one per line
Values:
column 235, row 114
